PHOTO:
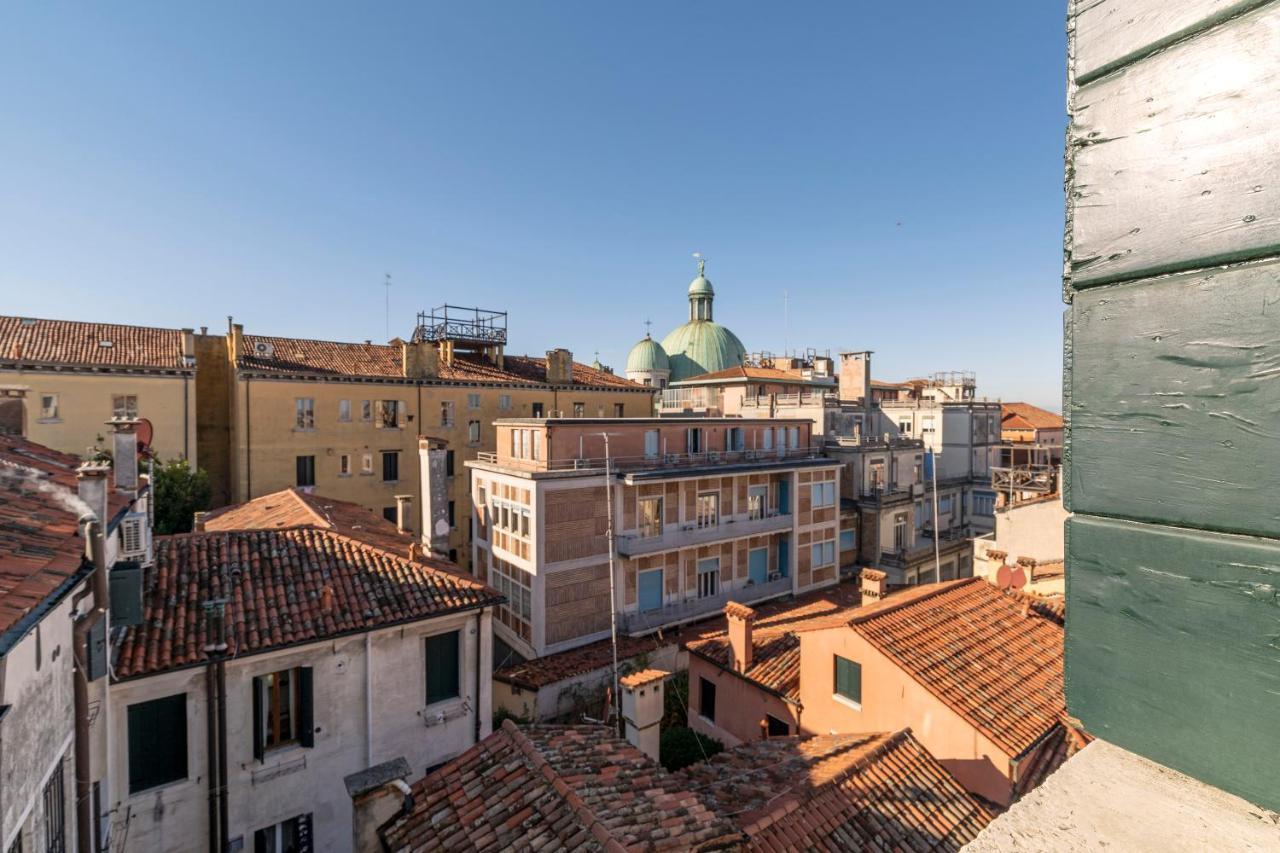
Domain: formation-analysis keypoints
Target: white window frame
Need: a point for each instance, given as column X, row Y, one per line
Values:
column 304, row 410
column 702, row 518
column 124, row 406
column 822, row 494
column 708, row 577
column 48, row 407
column 344, row 411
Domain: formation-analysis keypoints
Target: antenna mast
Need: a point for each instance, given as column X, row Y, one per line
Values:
column 387, row 285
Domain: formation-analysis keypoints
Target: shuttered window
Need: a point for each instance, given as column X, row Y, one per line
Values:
column 706, row 699
column 282, row 710
column 306, row 471
column 390, row 466
column 442, row 667
column 848, row 677
column 157, row 742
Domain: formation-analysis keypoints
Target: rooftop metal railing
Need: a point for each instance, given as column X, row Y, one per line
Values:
column 655, row 461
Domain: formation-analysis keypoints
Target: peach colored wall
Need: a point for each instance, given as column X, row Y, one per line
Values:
column 893, row 700
column 740, row 705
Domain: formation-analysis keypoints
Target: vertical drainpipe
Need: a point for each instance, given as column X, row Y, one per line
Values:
column 476, row 710
column 80, row 632
column 248, row 442
column 211, row 704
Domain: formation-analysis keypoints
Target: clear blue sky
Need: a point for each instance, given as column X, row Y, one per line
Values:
column 897, row 168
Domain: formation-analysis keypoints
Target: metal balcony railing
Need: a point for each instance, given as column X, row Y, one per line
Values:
column 686, row 611
column 632, row 545
column 655, row 461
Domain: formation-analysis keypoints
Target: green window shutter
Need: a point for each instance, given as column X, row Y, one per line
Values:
column 848, row 678
column 157, row 742
column 259, row 736
column 306, row 713
column 442, row 667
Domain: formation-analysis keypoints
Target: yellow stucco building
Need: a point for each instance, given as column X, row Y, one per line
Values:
column 61, row 381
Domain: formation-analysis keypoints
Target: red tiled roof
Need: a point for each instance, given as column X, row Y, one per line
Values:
column 759, row 374
column 1027, row 416
column 40, row 543
column 283, row 587
column 775, row 648
column 1063, row 741
column 31, row 341
column 299, row 355
column 553, row 788
column 993, row 658
column 840, row 792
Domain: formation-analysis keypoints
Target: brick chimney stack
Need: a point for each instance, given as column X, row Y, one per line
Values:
column 124, row 454
column 419, row 360
column 642, row 708
column 741, row 619
column 872, row 583
column 559, row 367
column 855, row 377
column 91, row 486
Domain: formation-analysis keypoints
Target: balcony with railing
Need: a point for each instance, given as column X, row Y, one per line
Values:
column 689, row 535
column 687, row 611
column 795, row 400
column 657, row 461
column 922, row 549
column 708, row 401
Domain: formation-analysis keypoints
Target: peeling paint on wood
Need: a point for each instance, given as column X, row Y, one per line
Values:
column 1173, row 160
column 1116, row 32
column 1173, row 649
column 1174, row 409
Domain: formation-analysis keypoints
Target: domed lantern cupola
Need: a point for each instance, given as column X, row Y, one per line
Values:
column 701, row 294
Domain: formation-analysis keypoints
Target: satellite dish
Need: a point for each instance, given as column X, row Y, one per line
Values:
column 146, row 432
column 1004, row 577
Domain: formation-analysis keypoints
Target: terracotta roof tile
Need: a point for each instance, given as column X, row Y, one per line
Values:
column 1063, row 741
column 839, row 792
column 300, row 355
column 1027, row 416
column 40, row 542
column 555, row 788
column 283, row 587
column 28, row 340
column 995, row 658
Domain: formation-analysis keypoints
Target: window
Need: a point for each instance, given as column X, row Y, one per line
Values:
column 848, row 540
column 904, row 427
column 473, row 432
column 900, row 532
column 157, row 742
column 708, row 577
column 124, row 406
column 366, row 410
column 926, row 424
column 390, row 466
column 538, row 410
column 304, row 413
column 48, row 407
column 793, row 437
column 452, row 521
column 693, row 440
column 757, row 497
column 389, row 513
column 517, row 585
column 504, row 401
column 446, row 413
column 288, row 836
column 473, row 401
column 876, row 479
column 767, row 436
column 735, row 439
column 389, row 414
column 442, row 667
column 55, row 813
column 777, row 728
column 344, row 465
column 618, row 410
column 708, row 508
column 579, row 410
column 823, row 494
column 848, row 679
column 366, row 463
column 282, row 710
column 512, row 518
column 651, row 444
column 448, row 463
column 306, row 470
column 535, row 444
column 344, row 411
column 984, row 504
column 944, row 504
column 706, row 700
column 823, row 553
column 650, row 517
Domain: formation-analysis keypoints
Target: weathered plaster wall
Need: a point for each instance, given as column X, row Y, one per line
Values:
column 740, row 705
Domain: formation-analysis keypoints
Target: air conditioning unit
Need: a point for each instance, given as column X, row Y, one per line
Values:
column 135, row 536
column 753, row 455
column 673, row 458
column 713, row 456
column 263, row 349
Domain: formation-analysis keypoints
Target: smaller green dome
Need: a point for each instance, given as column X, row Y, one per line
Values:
column 701, row 286
column 648, row 355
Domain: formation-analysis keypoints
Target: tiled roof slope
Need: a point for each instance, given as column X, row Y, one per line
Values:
column 283, row 587
column 292, row 508
column 553, row 788
column 1063, row 741
column 40, row 545
column 299, row 355
column 1027, row 416
column 32, row 341
column 839, row 792
column 994, row 658
column 775, row 655
column 743, row 373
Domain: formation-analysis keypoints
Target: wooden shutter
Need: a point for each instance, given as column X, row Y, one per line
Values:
column 259, row 736
column 306, row 714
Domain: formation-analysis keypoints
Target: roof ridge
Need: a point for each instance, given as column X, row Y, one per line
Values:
column 248, row 335
column 907, row 598
column 21, row 317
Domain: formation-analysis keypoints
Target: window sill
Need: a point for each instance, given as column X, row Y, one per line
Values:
column 49, row 420
column 147, row 792
column 343, row 476
column 304, row 429
column 366, row 473
column 390, row 482
column 844, row 700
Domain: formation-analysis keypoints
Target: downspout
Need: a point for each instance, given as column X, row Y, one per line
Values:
column 211, row 704
column 368, row 699
column 479, row 640
column 248, row 442
column 186, row 423
column 222, row 740
column 80, row 631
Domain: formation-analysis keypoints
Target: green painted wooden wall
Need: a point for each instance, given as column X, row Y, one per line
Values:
column 1172, row 384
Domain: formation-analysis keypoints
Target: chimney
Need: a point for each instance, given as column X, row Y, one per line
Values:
column 199, row 522
column 642, row 709
column 995, row 556
column 91, row 485
column 559, row 367
column 872, row 585
column 741, row 618
column 377, row 794
column 124, row 453
column 433, row 461
column 188, row 348
column 855, row 376
column 404, row 506
column 236, row 340
column 419, row 360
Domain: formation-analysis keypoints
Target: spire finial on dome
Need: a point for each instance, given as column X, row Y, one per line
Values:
column 647, row 324
column 702, row 263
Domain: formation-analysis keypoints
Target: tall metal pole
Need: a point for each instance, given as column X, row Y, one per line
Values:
column 937, row 522
column 613, row 605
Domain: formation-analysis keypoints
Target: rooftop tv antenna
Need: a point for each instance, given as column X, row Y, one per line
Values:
column 387, row 284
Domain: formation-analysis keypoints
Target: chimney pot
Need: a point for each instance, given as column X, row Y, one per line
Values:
column 872, row 584
column 741, row 645
column 91, row 486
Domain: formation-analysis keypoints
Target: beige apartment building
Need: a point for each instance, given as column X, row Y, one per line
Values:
column 61, row 381
column 344, row 419
column 703, row 509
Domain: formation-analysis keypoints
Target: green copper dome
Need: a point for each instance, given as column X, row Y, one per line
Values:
column 701, row 286
column 647, row 355
column 702, row 346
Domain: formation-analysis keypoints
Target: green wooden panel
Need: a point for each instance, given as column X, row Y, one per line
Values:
column 1173, row 649
column 1174, row 411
